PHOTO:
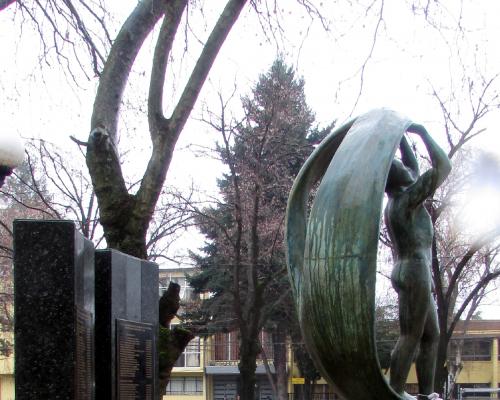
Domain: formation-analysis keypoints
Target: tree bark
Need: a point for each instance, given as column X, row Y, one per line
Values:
column 280, row 358
column 249, row 349
column 124, row 229
column 125, row 218
column 441, row 374
column 172, row 342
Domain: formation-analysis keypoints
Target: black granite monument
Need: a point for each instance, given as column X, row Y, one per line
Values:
column 54, row 311
column 126, row 327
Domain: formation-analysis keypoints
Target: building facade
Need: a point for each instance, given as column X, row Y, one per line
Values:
column 208, row 368
column 473, row 362
column 7, row 378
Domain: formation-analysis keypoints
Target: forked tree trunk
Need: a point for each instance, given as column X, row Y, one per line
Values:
column 125, row 217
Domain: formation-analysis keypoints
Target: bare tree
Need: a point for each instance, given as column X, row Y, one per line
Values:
column 18, row 201
column 463, row 266
column 55, row 188
column 171, row 218
column 75, row 32
column 126, row 217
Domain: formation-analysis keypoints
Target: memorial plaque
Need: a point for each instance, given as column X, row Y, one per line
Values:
column 135, row 364
column 126, row 315
column 84, row 373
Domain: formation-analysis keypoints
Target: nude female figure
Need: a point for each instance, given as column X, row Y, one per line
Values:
column 411, row 232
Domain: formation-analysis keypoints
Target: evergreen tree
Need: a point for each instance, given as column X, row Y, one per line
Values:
column 243, row 262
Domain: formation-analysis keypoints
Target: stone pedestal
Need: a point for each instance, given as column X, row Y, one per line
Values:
column 126, row 327
column 54, row 311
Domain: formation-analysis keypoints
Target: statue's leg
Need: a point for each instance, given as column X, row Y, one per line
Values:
column 426, row 360
column 413, row 296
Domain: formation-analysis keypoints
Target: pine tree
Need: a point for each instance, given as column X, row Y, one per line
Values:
column 243, row 261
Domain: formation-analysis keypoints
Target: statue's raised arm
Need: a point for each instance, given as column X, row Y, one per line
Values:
column 408, row 157
column 427, row 184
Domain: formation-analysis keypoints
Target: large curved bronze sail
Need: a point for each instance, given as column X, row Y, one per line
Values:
column 332, row 255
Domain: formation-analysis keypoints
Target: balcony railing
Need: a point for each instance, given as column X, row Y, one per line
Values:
column 315, row 396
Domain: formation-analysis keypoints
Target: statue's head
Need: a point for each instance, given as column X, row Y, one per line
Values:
column 399, row 176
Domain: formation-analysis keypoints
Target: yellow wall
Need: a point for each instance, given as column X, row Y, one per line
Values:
column 476, row 372
column 192, row 371
column 7, row 379
column 176, row 373
column 472, row 372
column 185, row 397
column 6, row 387
column 6, row 366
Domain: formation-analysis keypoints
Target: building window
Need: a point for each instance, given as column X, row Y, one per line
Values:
column 185, row 385
column 186, row 292
column 225, row 347
column 191, row 355
column 472, row 349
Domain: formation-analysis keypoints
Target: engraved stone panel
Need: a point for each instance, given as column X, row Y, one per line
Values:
column 135, row 364
column 84, row 373
column 126, row 290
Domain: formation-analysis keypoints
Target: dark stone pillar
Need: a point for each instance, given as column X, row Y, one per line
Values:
column 54, row 311
column 126, row 327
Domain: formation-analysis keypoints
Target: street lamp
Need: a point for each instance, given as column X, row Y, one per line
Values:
column 11, row 154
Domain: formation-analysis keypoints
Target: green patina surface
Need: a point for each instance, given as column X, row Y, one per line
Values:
column 332, row 255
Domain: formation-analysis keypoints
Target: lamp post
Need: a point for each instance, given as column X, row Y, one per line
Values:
column 11, row 154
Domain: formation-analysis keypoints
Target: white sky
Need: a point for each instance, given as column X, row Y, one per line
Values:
column 409, row 56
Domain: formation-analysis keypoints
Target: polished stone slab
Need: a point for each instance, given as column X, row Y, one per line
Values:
column 54, row 311
column 127, row 326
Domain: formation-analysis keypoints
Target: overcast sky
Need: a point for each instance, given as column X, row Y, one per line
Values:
column 407, row 60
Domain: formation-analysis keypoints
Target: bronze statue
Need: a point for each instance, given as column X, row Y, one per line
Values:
column 332, row 251
column 411, row 232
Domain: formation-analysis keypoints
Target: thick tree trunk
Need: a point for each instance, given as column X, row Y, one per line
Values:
column 441, row 365
column 249, row 350
column 279, row 350
column 305, row 364
column 441, row 374
column 172, row 342
column 307, row 389
column 171, row 345
column 125, row 218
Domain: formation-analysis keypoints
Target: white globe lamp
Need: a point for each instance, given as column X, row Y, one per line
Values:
column 11, row 154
